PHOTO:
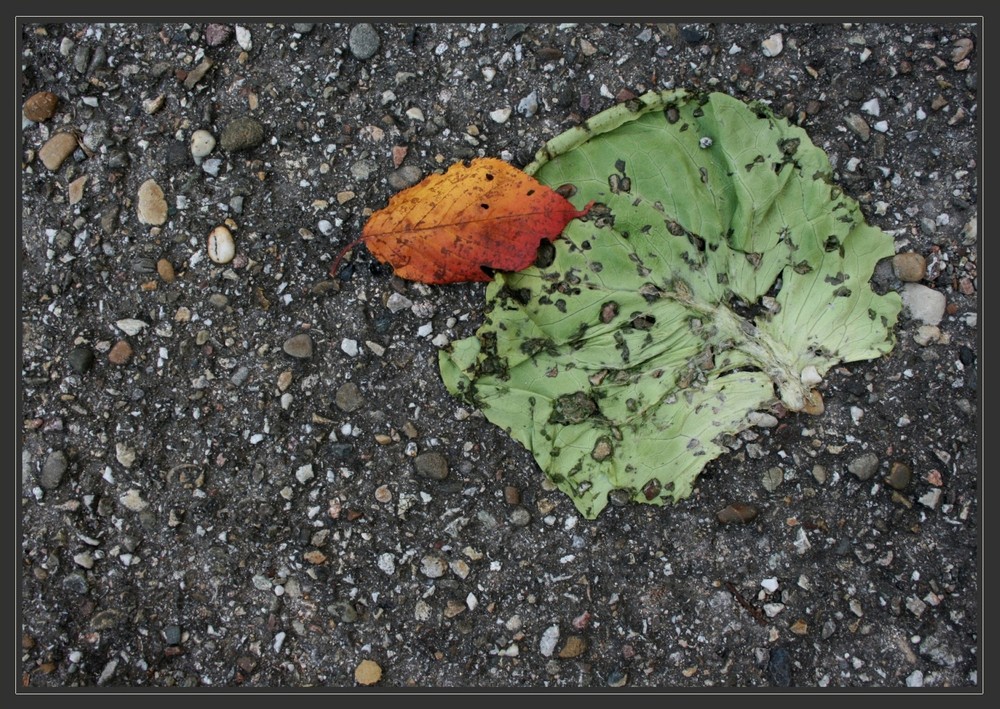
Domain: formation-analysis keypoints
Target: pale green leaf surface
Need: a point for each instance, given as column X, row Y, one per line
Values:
column 703, row 282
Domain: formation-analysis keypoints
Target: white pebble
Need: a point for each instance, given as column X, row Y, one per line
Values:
column 770, row 584
column 810, row 376
column 202, row 143
column 550, row 638
column 387, row 562
column 279, row 640
column 349, row 347
column 871, row 107
column 773, row 609
column 773, row 45
column 415, row 113
column 425, row 330
column 131, row 326
column 243, row 38
column 325, row 227
column 304, row 473
column 221, row 246
column 488, row 73
column 500, row 115
column 471, row 601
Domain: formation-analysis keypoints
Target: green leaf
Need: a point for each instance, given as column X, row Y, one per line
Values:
column 719, row 270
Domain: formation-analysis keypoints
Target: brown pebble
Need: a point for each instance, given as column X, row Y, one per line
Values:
column 75, row 191
column 40, row 107
column 574, row 647
column 166, row 270
column 383, row 493
column 938, row 102
column 910, row 266
column 367, row 672
column 966, row 286
column 738, row 512
column 899, row 476
column 512, row 495
column 813, row 404
column 56, row 150
column 315, row 557
column 800, row 627
column 151, row 206
column 120, row 353
column 961, row 50
column 398, row 154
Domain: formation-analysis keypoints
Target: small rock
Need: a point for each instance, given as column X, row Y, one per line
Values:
column 779, row 667
column 737, row 513
column 172, row 634
column 431, row 465
column 773, row 45
column 859, row 126
column 221, row 245
column 910, row 266
column 202, row 143
column 131, row 326
column 363, row 41
column 166, row 270
column 871, row 107
column 152, row 105
column 152, row 207
column 40, row 106
column 961, row 49
column 500, row 115
column 55, row 467
column 528, row 106
column 81, row 58
column 216, row 34
column 899, row 476
column 520, row 516
column 924, row 304
column 196, row 74
column 404, row 177
column 574, row 646
column 81, row 359
column 773, row 478
column 349, row 347
column 243, row 133
column 56, row 150
column 299, row 346
column 349, row 397
column 929, row 335
column 120, row 353
column 132, row 500
column 367, row 672
column 243, row 38
column 75, row 191
column 433, row 566
column 930, row 498
column 303, row 27
column 550, row 637
column 864, row 466
column 125, row 454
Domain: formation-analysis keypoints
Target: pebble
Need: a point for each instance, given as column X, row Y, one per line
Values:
column 528, row 106
column 924, row 304
column 520, row 516
column 53, row 470
column 773, row 45
column 40, row 106
column 196, row 74
column 383, row 493
column 961, row 49
column 864, row 466
column 221, row 245
column 349, row 397
column 859, row 126
column 125, row 455
column 81, row 58
column 56, row 150
column 152, row 105
column 299, row 346
column 899, row 476
column 737, row 513
column 404, row 177
column 202, row 143
column 81, row 359
column 550, row 637
column 574, row 646
column 433, row 566
column 303, row 27
column 349, row 347
column 216, row 34
column 871, row 107
column 363, row 41
column 132, row 500
column 930, row 335
column 131, row 326
column 75, row 191
column 779, row 667
column 243, row 38
column 120, row 353
column 773, row 478
column 909, row 266
column 397, row 301
column 431, row 465
column 152, row 207
column 166, row 270
column 172, row 634
column 500, row 115
column 367, row 672
column 243, row 133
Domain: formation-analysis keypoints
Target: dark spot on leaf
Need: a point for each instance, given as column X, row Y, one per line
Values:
column 484, row 205
column 832, row 243
column 802, row 268
column 489, row 177
column 675, row 228
column 609, row 311
column 722, row 278
column 643, row 322
column 561, row 305
column 572, row 408
column 567, row 190
column 789, row 145
column 684, row 127
column 531, row 192
column 672, row 114
column 467, row 163
column 704, row 174
column 651, row 489
column 620, row 165
column 756, row 161
column 754, row 259
column 546, row 254
column 698, row 112
column 697, row 242
column 585, row 245
column 602, row 449
column 778, row 166
column 836, row 280
column 842, row 292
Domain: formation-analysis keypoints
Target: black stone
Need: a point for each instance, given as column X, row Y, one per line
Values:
column 81, row 359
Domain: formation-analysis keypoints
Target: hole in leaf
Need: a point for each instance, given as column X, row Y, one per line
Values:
column 489, row 177
column 484, row 205
column 546, row 254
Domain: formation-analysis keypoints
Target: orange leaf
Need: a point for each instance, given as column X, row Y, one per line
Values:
column 476, row 218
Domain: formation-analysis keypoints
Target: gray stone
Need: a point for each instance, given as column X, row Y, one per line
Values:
column 243, row 133
column 55, row 467
column 864, row 466
column 404, row 177
column 81, row 359
column 363, row 41
column 433, row 566
column 299, row 346
column 924, row 304
column 349, row 397
column 432, row 465
column 303, row 27
column 519, row 516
